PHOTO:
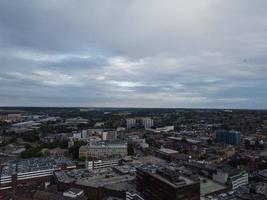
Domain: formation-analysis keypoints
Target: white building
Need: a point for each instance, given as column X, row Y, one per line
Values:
column 231, row 176
column 103, row 150
column 131, row 122
column 147, row 122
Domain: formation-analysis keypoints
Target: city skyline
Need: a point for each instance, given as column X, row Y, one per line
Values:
column 175, row 54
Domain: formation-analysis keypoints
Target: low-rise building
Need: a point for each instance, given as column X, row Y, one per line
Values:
column 167, row 154
column 233, row 177
column 155, row 182
column 103, row 150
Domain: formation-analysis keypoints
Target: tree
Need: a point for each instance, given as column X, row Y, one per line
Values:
column 184, row 139
column 210, row 141
column 74, row 150
column 63, row 144
column 30, row 137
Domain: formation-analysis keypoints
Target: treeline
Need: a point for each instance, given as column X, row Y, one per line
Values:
column 36, row 151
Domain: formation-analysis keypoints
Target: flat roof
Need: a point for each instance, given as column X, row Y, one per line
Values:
column 209, row 186
column 167, row 151
column 95, row 178
column 34, row 164
column 153, row 171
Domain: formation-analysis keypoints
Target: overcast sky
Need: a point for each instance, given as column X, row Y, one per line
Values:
column 134, row 53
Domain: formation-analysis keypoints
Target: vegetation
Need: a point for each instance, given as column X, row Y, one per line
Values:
column 32, row 152
column 30, row 137
column 74, row 150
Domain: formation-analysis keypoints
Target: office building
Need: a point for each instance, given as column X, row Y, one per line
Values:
column 130, row 123
column 97, row 184
column 228, row 137
column 147, row 122
column 168, row 154
column 17, row 172
column 103, row 150
column 163, row 183
column 109, row 135
column 233, row 177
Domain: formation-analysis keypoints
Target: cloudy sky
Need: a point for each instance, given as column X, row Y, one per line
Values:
column 134, row 53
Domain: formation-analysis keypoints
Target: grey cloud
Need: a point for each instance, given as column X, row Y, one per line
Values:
column 153, row 53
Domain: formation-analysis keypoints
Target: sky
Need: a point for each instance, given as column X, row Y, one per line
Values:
column 134, row 53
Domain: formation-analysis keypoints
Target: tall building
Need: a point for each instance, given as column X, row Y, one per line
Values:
column 228, row 137
column 161, row 183
column 103, row 150
column 147, row 122
column 130, row 122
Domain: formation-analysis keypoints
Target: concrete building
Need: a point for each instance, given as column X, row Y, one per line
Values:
column 17, row 172
column 147, row 122
column 103, row 150
column 167, row 154
column 97, row 184
column 162, row 183
column 130, row 123
column 233, row 177
column 101, row 164
column 109, row 135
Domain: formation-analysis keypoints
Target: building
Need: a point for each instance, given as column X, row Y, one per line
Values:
column 228, row 137
column 37, row 193
column 101, row 164
column 109, row 135
column 97, row 184
column 103, row 150
column 167, row 154
column 233, row 177
column 17, row 172
column 147, row 122
column 130, row 123
column 163, row 183
column 14, row 117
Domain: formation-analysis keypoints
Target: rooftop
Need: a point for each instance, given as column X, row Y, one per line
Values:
column 167, row 175
column 207, row 186
column 34, row 164
column 167, row 151
column 95, row 178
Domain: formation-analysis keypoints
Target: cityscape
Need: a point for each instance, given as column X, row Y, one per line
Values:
column 127, row 153
column 133, row 100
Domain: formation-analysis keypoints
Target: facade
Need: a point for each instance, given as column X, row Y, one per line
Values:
column 18, row 172
column 158, row 183
column 228, row 137
column 96, row 184
column 167, row 154
column 130, row 123
column 103, row 150
column 109, row 135
column 147, row 122
column 100, row 164
column 231, row 176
